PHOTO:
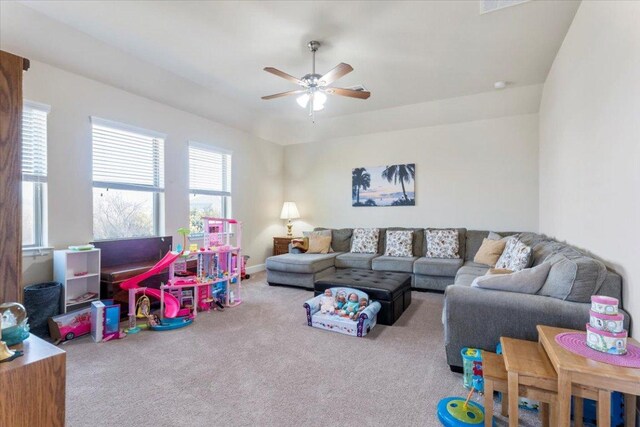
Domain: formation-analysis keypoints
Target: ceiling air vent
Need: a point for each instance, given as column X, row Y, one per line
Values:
column 487, row 6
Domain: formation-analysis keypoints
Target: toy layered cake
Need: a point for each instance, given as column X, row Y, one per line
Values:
column 605, row 330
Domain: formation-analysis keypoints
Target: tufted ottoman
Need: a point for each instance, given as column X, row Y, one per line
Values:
column 392, row 290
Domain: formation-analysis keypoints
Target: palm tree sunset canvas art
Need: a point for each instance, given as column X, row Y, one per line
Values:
column 390, row 185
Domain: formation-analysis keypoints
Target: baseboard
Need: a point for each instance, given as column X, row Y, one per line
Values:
column 255, row 268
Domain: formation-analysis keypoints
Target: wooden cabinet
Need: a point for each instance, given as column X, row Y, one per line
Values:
column 32, row 387
column 281, row 245
column 11, row 68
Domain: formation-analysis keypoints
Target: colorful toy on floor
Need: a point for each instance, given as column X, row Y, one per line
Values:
column 458, row 412
column 70, row 325
column 472, row 369
column 341, row 319
column 105, row 321
column 215, row 284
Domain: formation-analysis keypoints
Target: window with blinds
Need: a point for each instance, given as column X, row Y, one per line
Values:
column 209, row 184
column 128, row 180
column 34, row 173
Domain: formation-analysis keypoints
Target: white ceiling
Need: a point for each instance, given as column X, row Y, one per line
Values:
column 207, row 57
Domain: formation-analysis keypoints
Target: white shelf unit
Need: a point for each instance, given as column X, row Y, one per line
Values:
column 66, row 264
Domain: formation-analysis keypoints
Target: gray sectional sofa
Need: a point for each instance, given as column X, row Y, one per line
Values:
column 472, row 317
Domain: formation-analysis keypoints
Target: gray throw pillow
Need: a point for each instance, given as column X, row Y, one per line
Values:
column 527, row 281
column 573, row 277
column 494, row 236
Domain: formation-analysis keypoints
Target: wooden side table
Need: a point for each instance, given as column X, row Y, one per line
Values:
column 529, row 368
column 495, row 379
column 281, row 245
column 573, row 370
column 32, row 387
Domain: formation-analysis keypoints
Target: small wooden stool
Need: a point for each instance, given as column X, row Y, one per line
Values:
column 528, row 368
column 495, row 379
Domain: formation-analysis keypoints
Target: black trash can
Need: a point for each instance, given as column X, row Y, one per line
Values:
column 42, row 301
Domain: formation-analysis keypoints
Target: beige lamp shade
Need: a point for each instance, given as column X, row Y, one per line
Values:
column 289, row 211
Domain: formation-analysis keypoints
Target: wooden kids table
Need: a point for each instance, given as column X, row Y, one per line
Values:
column 573, row 369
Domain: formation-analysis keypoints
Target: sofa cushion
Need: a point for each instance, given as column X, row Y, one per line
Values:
column 543, row 250
column 573, row 277
column 301, row 263
column 473, row 268
column 398, row 243
column 340, row 238
column 527, row 281
column 365, row 240
column 464, row 279
column 392, row 263
column 442, row 243
column 473, row 242
column 437, row 266
column 381, row 240
column 350, row 260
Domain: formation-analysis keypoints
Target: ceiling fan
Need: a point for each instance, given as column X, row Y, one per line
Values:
column 314, row 87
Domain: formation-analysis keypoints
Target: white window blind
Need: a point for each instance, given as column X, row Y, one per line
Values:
column 127, row 158
column 209, row 170
column 34, row 142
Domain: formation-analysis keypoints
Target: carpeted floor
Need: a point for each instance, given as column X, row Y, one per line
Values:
column 260, row 364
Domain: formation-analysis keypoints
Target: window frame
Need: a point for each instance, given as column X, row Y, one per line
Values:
column 226, row 179
column 157, row 190
column 39, row 183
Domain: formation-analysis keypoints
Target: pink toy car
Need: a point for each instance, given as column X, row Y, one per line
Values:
column 71, row 325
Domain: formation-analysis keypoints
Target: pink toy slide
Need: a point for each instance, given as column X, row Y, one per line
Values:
column 171, row 304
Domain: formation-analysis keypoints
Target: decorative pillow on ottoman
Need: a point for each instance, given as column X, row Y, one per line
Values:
column 516, row 255
column 365, row 240
column 399, row 243
column 442, row 243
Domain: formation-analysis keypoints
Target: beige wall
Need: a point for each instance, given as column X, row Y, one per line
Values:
column 257, row 164
column 590, row 141
column 480, row 175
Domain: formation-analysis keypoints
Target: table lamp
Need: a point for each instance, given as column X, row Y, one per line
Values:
column 289, row 212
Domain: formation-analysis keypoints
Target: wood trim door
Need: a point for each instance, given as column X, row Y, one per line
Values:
column 11, row 68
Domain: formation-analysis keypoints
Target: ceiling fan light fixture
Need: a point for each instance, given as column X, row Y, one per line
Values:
column 315, row 87
column 303, row 100
column 319, row 99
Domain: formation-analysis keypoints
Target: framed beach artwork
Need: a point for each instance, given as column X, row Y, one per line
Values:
column 391, row 185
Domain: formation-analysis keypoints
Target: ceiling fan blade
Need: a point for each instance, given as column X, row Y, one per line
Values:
column 279, row 95
column 362, row 94
column 338, row 71
column 284, row 75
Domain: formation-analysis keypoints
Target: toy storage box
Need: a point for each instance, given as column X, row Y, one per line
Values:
column 357, row 328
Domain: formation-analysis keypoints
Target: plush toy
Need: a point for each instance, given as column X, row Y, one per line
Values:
column 351, row 307
column 327, row 302
column 341, row 300
column 363, row 305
